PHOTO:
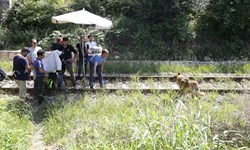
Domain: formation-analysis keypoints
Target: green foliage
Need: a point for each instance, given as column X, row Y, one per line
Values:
column 142, row 29
column 15, row 124
column 223, row 30
column 146, row 121
column 151, row 33
column 29, row 19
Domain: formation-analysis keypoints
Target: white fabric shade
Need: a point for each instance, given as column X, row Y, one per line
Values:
column 51, row 61
column 83, row 17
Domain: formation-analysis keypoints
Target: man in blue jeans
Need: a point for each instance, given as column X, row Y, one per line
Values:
column 96, row 64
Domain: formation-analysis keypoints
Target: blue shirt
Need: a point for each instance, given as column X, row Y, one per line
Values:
column 38, row 64
column 97, row 59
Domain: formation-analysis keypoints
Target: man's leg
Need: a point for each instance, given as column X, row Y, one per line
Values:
column 80, row 64
column 63, row 71
column 100, row 76
column 60, row 80
column 22, row 88
column 86, row 64
column 91, row 75
column 41, row 86
column 70, row 70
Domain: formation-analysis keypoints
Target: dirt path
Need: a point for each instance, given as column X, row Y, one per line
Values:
column 37, row 142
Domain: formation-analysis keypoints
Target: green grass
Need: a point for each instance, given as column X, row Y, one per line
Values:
column 154, row 121
column 151, row 68
column 130, row 121
column 134, row 120
column 141, row 68
column 6, row 65
column 15, row 124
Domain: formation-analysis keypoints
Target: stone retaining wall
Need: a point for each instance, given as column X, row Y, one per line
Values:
column 8, row 55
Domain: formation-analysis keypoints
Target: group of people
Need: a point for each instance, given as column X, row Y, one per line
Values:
column 31, row 60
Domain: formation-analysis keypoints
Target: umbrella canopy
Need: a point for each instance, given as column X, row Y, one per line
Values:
column 83, row 17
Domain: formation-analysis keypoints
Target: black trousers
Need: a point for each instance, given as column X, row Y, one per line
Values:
column 39, row 87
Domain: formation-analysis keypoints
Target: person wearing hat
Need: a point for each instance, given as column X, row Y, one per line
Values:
column 21, row 71
column 58, row 44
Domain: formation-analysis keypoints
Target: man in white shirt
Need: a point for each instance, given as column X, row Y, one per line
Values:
column 32, row 55
column 89, row 44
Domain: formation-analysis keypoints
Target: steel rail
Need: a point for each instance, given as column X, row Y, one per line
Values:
column 158, row 78
column 145, row 90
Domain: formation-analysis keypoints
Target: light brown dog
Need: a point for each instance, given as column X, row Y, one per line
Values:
column 187, row 85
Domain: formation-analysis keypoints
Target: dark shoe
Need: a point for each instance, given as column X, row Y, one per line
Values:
column 78, row 78
column 41, row 99
column 28, row 99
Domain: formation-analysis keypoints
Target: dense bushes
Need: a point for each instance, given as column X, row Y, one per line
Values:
column 223, row 31
column 145, row 29
column 29, row 19
column 153, row 29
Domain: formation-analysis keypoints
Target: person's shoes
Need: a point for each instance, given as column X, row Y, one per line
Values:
column 28, row 99
column 77, row 78
column 41, row 99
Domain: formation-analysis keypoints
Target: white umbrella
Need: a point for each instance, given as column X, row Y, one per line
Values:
column 83, row 17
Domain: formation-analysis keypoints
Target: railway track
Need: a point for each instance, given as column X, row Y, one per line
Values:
column 147, row 84
column 157, row 78
column 109, row 90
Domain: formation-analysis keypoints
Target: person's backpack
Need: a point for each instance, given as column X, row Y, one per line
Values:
column 2, row 74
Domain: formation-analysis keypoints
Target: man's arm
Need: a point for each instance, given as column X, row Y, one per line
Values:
column 29, row 60
column 41, row 70
column 102, row 64
column 27, row 66
column 75, row 54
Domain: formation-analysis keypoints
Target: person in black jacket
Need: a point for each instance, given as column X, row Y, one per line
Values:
column 67, row 58
column 58, row 44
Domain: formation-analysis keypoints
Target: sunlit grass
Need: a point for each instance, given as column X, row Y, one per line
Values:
column 135, row 120
column 15, row 123
column 6, row 65
column 142, row 68
column 147, row 121
column 130, row 121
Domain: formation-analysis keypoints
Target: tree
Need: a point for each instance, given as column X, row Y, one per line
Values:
column 28, row 19
column 225, row 26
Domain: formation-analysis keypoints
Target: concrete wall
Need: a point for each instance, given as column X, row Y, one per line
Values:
column 8, row 55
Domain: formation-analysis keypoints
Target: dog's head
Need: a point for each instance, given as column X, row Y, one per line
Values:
column 174, row 78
